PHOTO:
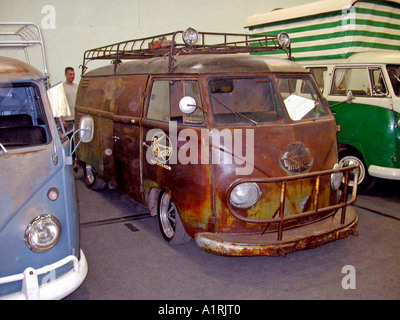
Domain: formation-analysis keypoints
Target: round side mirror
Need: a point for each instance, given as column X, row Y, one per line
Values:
column 187, row 104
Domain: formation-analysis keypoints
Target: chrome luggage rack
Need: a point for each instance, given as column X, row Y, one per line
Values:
column 190, row 42
column 22, row 35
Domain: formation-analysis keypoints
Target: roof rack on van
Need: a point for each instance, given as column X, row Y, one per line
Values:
column 190, row 42
column 22, row 35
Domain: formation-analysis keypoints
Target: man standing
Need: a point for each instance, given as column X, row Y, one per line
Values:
column 71, row 90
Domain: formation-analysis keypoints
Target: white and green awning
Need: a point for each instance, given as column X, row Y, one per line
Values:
column 333, row 29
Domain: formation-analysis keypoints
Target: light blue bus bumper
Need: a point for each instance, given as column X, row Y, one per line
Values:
column 52, row 288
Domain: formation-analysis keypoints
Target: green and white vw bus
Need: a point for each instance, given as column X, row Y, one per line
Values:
column 353, row 50
column 369, row 120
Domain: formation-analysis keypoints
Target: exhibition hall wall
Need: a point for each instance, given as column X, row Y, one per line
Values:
column 69, row 27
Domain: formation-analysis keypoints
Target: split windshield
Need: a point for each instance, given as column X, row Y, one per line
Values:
column 22, row 120
column 256, row 100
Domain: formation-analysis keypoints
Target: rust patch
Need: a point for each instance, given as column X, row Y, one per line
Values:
column 301, row 238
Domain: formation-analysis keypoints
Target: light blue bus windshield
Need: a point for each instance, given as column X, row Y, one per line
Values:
column 22, row 119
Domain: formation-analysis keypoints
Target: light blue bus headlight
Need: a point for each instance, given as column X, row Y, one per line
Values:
column 245, row 195
column 42, row 233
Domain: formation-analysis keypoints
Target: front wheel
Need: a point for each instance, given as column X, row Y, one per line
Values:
column 92, row 181
column 169, row 221
column 365, row 181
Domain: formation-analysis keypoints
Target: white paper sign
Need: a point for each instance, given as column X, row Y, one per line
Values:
column 298, row 107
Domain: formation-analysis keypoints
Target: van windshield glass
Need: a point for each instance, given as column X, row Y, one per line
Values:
column 22, row 120
column 302, row 99
column 394, row 76
column 245, row 101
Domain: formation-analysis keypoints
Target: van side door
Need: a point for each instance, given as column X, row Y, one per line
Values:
column 127, row 135
column 172, row 149
column 164, row 121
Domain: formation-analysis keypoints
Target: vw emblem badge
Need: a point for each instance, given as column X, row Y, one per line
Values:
column 296, row 158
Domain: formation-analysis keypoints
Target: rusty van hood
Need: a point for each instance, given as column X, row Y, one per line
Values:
column 279, row 151
column 298, row 148
column 23, row 175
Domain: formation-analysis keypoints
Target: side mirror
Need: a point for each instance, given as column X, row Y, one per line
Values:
column 350, row 97
column 187, row 105
column 86, row 128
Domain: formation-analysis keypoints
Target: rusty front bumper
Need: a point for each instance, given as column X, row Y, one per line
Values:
column 304, row 237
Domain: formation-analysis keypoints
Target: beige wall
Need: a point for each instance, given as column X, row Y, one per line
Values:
column 70, row 27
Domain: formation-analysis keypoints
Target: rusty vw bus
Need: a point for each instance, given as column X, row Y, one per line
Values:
column 237, row 151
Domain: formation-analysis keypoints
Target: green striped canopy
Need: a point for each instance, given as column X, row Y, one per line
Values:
column 333, row 29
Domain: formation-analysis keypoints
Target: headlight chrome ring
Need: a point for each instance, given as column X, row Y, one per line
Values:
column 42, row 233
column 245, row 195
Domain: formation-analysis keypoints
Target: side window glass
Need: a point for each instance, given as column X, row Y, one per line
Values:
column 394, row 76
column 192, row 89
column 165, row 98
column 377, row 82
column 319, row 74
column 354, row 79
column 287, row 85
column 159, row 106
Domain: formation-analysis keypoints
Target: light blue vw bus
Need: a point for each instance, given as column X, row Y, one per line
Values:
column 40, row 256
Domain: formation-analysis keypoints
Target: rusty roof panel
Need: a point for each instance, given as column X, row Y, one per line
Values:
column 200, row 64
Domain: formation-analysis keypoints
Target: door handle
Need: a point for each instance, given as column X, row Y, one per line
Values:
column 115, row 138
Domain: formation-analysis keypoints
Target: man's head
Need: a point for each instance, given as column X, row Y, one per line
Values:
column 69, row 75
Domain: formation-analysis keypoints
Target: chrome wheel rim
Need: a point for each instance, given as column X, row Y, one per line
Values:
column 351, row 160
column 89, row 174
column 167, row 214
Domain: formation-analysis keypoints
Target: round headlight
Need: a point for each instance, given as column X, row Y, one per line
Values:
column 190, row 36
column 336, row 178
column 283, row 40
column 245, row 195
column 42, row 233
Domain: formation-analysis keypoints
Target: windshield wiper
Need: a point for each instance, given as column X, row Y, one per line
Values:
column 4, row 150
column 235, row 112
